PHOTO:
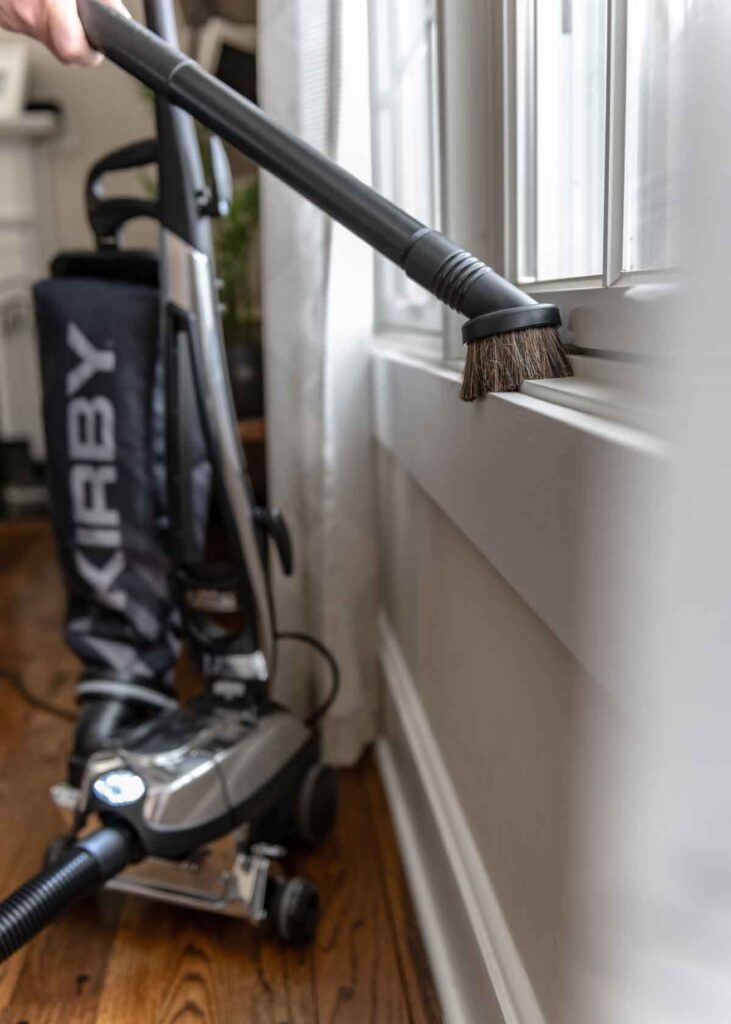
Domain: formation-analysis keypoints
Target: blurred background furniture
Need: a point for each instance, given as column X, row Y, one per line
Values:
column 26, row 239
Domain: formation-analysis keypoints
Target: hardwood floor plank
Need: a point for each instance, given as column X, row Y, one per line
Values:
column 356, row 967
column 171, row 965
column 415, row 970
column 58, row 976
column 62, row 972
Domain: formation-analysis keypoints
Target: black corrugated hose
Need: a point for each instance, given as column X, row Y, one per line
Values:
column 84, row 867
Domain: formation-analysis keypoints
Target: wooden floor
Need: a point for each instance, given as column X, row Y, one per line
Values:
column 123, row 960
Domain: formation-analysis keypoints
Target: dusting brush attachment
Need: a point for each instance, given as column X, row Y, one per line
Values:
column 510, row 337
column 502, row 360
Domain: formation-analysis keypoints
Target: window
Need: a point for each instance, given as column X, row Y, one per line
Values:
column 556, row 155
column 650, row 218
column 592, row 141
column 560, row 91
column 405, row 146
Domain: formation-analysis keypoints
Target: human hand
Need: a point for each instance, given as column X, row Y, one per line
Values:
column 55, row 23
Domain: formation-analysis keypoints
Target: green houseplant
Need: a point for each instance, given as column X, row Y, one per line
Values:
column 236, row 239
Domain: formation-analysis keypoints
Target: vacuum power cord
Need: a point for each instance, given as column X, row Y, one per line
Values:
column 16, row 681
column 305, row 638
column 31, row 700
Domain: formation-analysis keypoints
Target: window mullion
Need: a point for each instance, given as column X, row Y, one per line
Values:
column 390, row 281
column 525, row 57
column 508, row 42
column 403, row 145
column 439, row 134
column 614, row 167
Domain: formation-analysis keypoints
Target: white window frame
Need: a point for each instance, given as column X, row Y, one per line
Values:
column 613, row 315
column 419, row 326
column 609, row 314
column 472, row 65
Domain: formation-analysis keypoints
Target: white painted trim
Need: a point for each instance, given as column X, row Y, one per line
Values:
column 14, row 63
column 614, row 148
column 519, row 477
column 604, row 388
column 450, row 375
column 29, row 124
column 448, row 827
column 413, row 845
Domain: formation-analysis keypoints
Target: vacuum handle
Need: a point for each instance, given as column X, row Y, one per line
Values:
column 136, row 154
column 180, row 80
column 456, row 277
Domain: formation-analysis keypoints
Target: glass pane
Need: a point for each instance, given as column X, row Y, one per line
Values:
column 416, row 186
column 561, row 105
column 650, row 221
column 411, row 18
column 405, row 140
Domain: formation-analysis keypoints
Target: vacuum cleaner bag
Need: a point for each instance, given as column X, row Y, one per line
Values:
column 104, row 421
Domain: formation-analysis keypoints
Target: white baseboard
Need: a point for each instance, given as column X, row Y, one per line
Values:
column 477, row 969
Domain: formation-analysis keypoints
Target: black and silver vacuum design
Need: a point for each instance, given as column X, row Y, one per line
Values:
column 233, row 762
column 197, row 804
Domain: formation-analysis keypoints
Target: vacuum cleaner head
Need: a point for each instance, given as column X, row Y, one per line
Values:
column 191, row 775
column 247, row 777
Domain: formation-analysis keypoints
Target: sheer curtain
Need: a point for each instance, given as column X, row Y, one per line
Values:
column 317, row 311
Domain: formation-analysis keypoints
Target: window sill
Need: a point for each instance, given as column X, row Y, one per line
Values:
column 618, row 394
column 601, row 389
column 524, row 478
column 617, row 390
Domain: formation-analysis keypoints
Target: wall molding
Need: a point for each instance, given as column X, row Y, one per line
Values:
column 526, row 481
column 440, row 840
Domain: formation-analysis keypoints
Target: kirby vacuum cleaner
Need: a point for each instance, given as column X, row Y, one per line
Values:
column 236, row 761
column 198, row 804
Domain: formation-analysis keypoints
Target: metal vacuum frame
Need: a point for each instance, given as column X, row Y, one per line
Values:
column 198, row 386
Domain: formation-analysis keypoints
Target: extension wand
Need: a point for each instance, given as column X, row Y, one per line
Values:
column 510, row 337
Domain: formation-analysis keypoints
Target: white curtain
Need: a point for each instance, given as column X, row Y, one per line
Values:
column 317, row 310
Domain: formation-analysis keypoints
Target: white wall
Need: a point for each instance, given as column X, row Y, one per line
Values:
column 505, row 701
column 102, row 108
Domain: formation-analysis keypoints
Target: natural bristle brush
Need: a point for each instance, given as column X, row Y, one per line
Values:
column 510, row 337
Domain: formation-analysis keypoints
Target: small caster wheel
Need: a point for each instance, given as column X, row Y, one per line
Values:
column 56, row 849
column 317, row 803
column 295, row 910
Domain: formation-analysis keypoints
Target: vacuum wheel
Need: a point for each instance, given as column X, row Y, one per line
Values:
column 317, row 803
column 295, row 910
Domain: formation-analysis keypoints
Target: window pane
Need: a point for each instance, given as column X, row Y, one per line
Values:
column 561, row 126
column 650, row 223
column 405, row 142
